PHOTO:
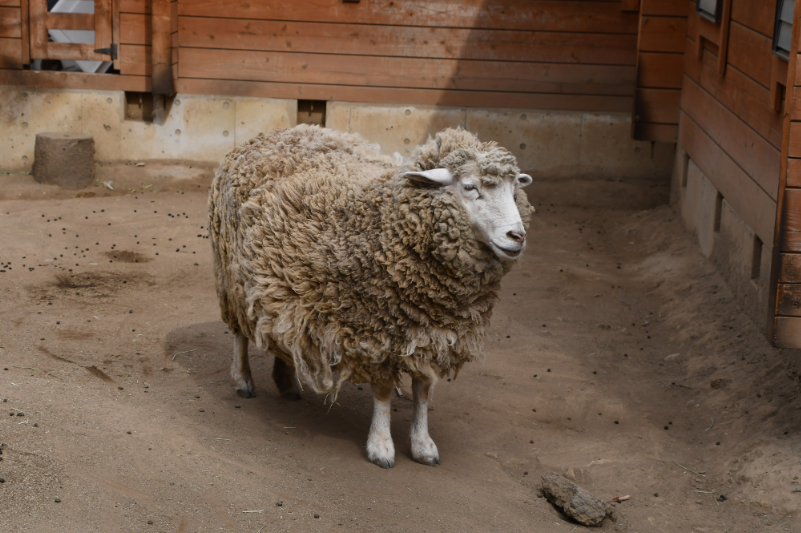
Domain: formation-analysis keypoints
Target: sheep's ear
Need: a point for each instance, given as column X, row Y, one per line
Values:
column 437, row 176
column 523, row 180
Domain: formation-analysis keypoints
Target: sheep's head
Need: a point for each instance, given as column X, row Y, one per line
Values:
column 485, row 179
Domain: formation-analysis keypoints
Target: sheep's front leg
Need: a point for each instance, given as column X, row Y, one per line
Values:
column 240, row 369
column 423, row 448
column 380, row 448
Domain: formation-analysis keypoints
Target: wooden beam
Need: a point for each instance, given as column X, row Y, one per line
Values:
column 161, row 48
column 10, row 22
column 70, row 21
column 74, row 80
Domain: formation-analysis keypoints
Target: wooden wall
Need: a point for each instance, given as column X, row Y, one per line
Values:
column 660, row 60
column 730, row 127
column 11, row 50
column 550, row 54
column 786, row 278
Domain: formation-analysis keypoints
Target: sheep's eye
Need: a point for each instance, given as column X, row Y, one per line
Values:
column 514, row 197
column 469, row 187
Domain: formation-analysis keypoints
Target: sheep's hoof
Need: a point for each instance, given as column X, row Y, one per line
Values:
column 384, row 463
column 428, row 461
column 292, row 396
column 246, row 392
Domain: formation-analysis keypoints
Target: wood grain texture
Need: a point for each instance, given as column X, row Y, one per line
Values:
column 71, row 21
column 757, row 15
column 406, row 96
column 742, row 95
column 10, row 53
column 788, row 300
column 676, row 8
column 26, row 49
column 749, row 200
column 161, row 48
column 10, row 3
column 405, row 72
column 794, row 149
column 10, row 22
column 135, row 60
column 787, row 332
column 667, row 133
column 74, row 80
column 790, row 268
column 660, row 106
column 760, row 159
column 660, row 70
column 544, row 15
column 630, row 5
column 135, row 28
column 103, row 30
column 749, row 52
column 379, row 40
column 662, row 34
column 791, row 221
column 793, row 172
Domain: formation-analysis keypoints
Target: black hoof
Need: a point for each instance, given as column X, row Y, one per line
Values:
column 384, row 463
column 245, row 393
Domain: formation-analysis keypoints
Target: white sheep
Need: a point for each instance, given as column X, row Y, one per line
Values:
column 347, row 266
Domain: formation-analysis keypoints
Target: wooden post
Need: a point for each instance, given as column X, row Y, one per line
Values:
column 161, row 49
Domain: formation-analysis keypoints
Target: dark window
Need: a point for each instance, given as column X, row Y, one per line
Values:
column 783, row 33
column 710, row 9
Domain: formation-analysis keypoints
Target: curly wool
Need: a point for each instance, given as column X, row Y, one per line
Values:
column 326, row 255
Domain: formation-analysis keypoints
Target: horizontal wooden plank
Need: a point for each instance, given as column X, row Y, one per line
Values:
column 755, row 14
column 663, row 34
column 742, row 95
column 749, row 200
column 789, row 268
column 406, row 96
column 405, row 72
column 74, row 80
column 787, row 332
column 543, row 15
column 791, row 223
column 378, row 40
column 74, row 51
column 10, row 22
column 135, row 28
column 760, row 159
column 793, row 173
column 660, row 70
column 10, row 53
column 10, row 3
column 660, row 106
column 135, row 60
column 794, row 149
column 788, row 299
column 630, row 5
column 134, row 6
column 667, row 133
column 676, row 8
column 750, row 52
column 71, row 21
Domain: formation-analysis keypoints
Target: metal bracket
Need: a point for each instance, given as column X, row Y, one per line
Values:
column 108, row 51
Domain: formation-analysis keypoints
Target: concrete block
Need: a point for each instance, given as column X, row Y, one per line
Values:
column 257, row 115
column 679, row 175
column 198, row 128
column 699, row 208
column 608, row 150
column 27, row 112
column 546, row 143
column 690, row 193
column 398, row 128
column 337, row 116
column 103, row 113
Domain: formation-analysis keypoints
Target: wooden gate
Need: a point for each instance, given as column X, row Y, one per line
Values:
column 100, row 22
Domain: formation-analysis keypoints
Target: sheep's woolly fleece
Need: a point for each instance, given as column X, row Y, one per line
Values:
column 327, row 256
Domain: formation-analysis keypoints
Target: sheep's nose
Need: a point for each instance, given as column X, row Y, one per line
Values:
column 517, row 237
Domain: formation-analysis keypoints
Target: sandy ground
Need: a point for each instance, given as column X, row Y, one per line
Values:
column 615, row 356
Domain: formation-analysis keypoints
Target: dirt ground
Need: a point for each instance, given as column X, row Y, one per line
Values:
column 616, row 358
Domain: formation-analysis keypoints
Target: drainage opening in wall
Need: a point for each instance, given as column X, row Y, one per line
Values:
column 756, row 259
column 311, row 112
column 141, row 106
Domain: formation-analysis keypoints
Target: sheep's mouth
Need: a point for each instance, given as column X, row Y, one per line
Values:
column 512, row 253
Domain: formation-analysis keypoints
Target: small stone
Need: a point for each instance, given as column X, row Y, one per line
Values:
column 617, row 421
column 238, row 406
column 666, row 428
column 280, row 504
column 119, row 388
column 128, row 432
column 57, row 500
column 316, row 515
column 574, row 501
column 35, row 425
column 150, row 522
column 656, row 495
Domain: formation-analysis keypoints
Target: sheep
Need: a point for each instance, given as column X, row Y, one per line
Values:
column 349, row 266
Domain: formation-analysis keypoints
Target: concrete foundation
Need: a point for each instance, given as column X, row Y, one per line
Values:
column 723, row 237
column 205, row 128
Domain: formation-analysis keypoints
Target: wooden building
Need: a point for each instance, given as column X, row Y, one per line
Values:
column 714, row 80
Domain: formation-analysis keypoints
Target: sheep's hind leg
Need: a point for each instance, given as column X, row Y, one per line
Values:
column 423, row 448
column 380, row 449
column 285, row 379
column 240, row 369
